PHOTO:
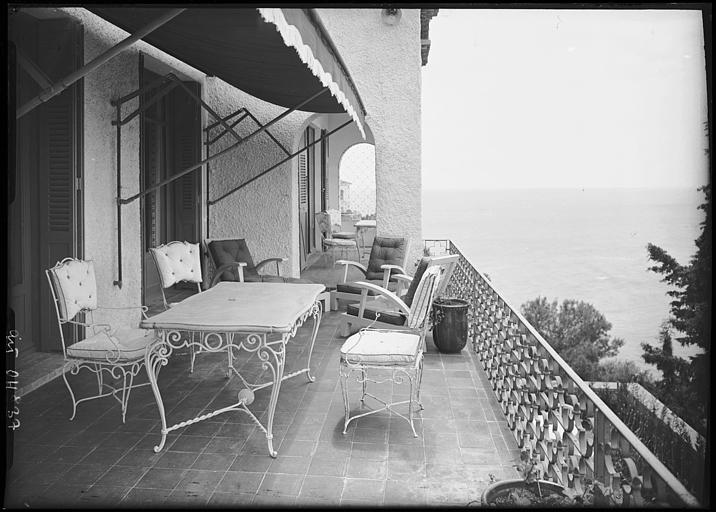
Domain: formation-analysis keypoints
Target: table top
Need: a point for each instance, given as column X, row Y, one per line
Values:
column 240, row 307
column 366, row 224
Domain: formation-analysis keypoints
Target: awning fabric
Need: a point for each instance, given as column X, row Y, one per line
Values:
column 281, row 56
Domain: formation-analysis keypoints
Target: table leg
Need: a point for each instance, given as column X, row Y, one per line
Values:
column 156, row 356
column 274, row 359
column 317, row 314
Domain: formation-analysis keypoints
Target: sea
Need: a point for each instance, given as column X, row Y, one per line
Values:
column 583, row 244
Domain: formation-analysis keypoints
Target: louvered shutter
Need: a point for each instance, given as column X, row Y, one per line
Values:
column 303, row 203
column 57, row 163
column 185, row 147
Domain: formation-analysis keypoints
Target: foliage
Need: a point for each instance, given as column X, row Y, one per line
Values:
column 622, row 371
column 576, row 330
column 665, row 439
column 685, row 386
column 594, row 493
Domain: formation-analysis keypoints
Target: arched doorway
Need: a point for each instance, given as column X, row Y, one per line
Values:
column 357, row 188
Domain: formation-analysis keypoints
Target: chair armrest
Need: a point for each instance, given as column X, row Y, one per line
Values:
column 269, row 260
column 144, row 309
column 107, row 327
column 403, row 283
column 346, row 264
column 390, row 297
column 388, row 269
column 228, row 266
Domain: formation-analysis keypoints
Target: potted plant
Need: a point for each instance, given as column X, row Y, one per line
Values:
column 532, row 491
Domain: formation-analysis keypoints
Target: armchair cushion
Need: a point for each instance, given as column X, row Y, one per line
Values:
column 228, row 251
column 381, row 347
column 279, row 279
column 76, row 287
column 385, row 251
column 130, row 342
column 351, row 288
column 422, row 267
column 177, row 261
column 387, row 314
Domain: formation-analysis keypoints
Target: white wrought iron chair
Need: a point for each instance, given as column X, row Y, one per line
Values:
column 119, row 352
column 178, row 262
column 383, row 355
column 325, row 226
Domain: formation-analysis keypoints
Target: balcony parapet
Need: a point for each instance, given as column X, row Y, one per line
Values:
column 551, row 411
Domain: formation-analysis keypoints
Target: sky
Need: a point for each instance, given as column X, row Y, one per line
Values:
column 564, row 98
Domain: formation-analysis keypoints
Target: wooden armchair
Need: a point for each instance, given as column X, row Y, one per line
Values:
column 388, row 309
column 387, row 259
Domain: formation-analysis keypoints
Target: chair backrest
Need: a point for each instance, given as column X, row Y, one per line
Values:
column 228, row 250
column 386, row 251
column 325, row 225
column 423, row 265
column 448, row 263
column 423, row 299
column 74, row 287
column 176, row 262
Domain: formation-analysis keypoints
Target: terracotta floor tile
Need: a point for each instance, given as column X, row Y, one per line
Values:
column 275, row 484
column 290, row 464
column 363, row 468
column 161, row 478
column 121, row 476
column 239, row 482
column 224, row 461
column 322, row 487
column 230, row 500
column 366, row 489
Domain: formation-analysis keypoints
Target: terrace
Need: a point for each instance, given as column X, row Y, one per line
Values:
column 508, row 391
column 96, row 461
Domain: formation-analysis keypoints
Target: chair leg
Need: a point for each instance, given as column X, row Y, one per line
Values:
column 343, row 373
column 345, row 328
column 66, row 369
column 420, row 381
column 100, row 378
column 364, row 383
column 126, row 390
column 414, row 397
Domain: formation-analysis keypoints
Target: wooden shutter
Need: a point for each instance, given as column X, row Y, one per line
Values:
column 303, row 182
column 185, row 147
column 57, row 49
column 324, row 171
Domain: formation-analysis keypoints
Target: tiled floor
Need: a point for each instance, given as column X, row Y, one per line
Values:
column 96, row 461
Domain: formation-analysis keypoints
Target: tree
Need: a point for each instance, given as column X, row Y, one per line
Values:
column 690, row 317
column 576, row 330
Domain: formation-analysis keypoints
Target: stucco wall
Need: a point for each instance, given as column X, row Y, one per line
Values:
column 117, row 77
column 384, row 62
column 265, row 211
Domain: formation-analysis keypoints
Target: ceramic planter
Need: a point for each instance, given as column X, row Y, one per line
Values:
column 450, row 324
column 505, row 486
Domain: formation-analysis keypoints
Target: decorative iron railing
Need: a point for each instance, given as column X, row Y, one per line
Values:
column 551, row 411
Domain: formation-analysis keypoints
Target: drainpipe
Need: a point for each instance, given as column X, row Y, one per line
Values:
column 63, row 84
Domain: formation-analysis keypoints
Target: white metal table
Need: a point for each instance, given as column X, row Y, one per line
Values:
column 236, row 316
column 361, row 226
